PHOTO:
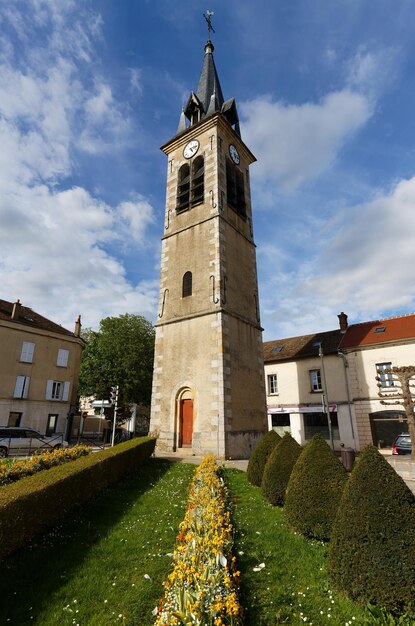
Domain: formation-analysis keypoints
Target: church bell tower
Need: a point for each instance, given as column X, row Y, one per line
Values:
column 208, row 385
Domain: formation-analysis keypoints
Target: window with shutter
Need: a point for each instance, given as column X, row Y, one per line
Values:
column 65, row 391
column 62, row 358
column 28, row 349
column 21, row 388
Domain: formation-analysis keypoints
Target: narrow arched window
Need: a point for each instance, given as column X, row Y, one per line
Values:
column 198, row 184
column 183, row 188
column 187, row 285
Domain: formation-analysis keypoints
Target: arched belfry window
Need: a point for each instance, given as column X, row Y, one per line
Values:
column 198, row 178
column 235, row 188
column 191, row 184
column 187, row 285
column 183, row 188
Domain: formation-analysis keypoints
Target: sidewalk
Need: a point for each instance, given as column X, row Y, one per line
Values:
column 196, row 460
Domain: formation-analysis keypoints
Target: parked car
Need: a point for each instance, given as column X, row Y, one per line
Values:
column 402, row 444
column 15, row 441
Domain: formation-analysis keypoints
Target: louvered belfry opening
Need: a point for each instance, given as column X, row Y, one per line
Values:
column 187, row 285
column 235, row 188
column 183, row 189
column 198, row 176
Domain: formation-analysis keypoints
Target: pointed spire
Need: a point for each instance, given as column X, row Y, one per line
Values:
column 209, row 81
column 182, row 122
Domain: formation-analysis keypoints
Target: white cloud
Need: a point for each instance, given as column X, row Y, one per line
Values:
column 364, row 266
column 295, row 143
column 55, row 238
column 137, row 214
column 135, row 80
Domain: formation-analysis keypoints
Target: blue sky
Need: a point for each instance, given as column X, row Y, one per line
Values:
column 89, row 91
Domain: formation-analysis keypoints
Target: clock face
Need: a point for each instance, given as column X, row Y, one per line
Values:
column 190, row 149
column 234, row 154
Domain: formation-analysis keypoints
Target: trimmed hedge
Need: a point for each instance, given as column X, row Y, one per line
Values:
column 314, row 490
column 372, row 547
column 37, row 502
column 259, row 457
column 278, row 470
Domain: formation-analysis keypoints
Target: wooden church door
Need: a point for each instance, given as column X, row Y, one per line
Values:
column 186, row 422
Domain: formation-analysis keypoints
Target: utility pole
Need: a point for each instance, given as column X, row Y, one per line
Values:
column 114, row 398
column 325, row 396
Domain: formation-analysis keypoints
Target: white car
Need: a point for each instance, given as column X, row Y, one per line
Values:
column 26, row 441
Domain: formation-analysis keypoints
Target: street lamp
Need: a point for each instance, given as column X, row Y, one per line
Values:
column 325, row 396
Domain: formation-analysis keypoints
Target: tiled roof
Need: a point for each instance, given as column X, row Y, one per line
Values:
column 301, row 347
column 379, row 331
column 31, row 319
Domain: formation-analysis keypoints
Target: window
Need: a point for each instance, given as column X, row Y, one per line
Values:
column 28, row 349
column 57, row 390
column 183, row 189
column 318, row 423
column 235, row 188
column 52, row 424
column 384, row 374
column 280, row 419
column 197, row 182
column 272, row 384
column 21, row 387
column 191, row 184
column 14, row 419
column 315, row 380
column 187, row 285
column 62, row 358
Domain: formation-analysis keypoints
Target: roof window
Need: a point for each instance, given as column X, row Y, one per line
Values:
column 277, row 349
column 380, row 329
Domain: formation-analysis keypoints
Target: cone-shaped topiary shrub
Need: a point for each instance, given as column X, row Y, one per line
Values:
column 278, row 469
column 372, row 546
column 314, row 490
column 260, row 455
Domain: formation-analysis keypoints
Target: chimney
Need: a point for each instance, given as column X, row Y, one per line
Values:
column 78, row 326
column 16, row 310
column 343, row 322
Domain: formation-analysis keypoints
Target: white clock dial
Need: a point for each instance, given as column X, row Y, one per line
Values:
column 190, row 149
column 234, row 154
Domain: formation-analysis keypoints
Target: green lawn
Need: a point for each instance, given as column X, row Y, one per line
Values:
column 283, row 576
column 106, row 563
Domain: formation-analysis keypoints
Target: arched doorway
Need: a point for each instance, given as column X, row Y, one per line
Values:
column 185, row 419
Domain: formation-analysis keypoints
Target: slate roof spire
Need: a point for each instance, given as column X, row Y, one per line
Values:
column 208, row 98
column 209, row 80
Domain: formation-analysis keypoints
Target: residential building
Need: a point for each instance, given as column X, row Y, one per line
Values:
column 39, row 369
column 208, row 384
column 337, row 373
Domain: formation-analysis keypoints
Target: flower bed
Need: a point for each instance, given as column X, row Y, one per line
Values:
column 10, row 472
column 202, row 588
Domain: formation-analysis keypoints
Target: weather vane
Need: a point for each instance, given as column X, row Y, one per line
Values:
column 208, row 18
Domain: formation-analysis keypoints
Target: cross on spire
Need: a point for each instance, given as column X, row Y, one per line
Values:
column 208, row 18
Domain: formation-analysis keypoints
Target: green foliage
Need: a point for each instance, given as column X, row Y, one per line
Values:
column 259, row 457
column 278, row 470
column 37, row 502
column 122, row 353
column 372, row 547
column 314, row 490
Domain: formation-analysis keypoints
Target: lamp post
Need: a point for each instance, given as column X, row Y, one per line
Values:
column 114, row 398
column 325, row 397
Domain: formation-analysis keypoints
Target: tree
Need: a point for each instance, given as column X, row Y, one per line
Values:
column 403, row 379
column 259, row 457
column 372, row 544
column 278, row 470
column 120, row 353
column 314, row 490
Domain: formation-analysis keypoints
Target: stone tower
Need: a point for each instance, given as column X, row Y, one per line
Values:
column 208, row 385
